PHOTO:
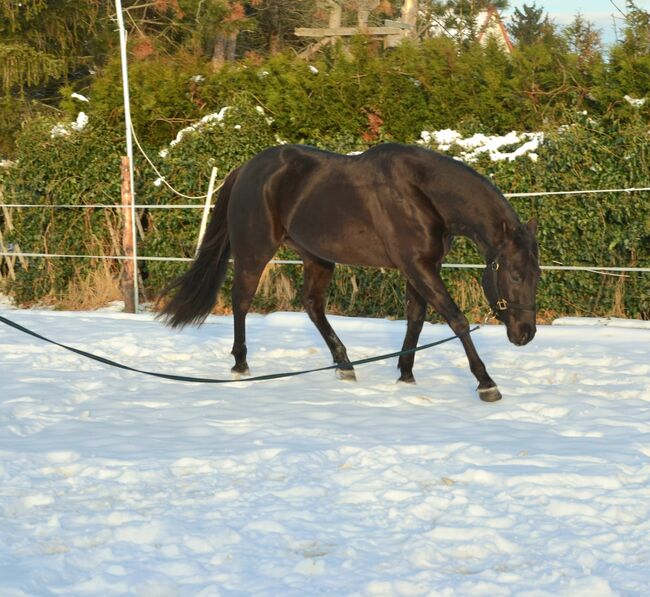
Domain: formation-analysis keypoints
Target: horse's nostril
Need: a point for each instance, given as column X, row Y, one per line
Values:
column 523, row 338
column 527, row 336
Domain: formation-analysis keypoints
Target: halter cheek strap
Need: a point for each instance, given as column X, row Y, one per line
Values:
column 502, row 304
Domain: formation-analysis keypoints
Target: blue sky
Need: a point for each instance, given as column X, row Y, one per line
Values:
column 600, row 12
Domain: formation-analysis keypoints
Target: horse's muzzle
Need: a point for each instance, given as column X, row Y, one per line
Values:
column 522, row 334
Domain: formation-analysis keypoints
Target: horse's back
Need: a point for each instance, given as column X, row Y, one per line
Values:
column 376, row 208
column 342, row 208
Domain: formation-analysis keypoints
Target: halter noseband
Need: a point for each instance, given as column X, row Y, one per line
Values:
column 503, row 304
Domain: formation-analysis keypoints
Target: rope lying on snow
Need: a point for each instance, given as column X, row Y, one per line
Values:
column 185, row 378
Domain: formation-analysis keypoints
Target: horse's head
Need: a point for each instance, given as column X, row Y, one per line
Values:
column 510, row 281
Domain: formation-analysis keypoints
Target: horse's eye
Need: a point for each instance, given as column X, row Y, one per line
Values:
column 516, row 278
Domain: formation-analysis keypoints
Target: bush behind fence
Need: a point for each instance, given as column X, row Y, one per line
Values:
column 83, row 167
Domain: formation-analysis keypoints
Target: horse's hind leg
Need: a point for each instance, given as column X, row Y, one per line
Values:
column 317, row 276
column 416, row 308
column 245, row 280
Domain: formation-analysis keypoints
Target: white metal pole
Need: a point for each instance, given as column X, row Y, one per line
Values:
column 129, row 143
column 206, row 207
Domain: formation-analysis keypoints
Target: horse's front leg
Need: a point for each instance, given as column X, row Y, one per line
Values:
column 425, row 277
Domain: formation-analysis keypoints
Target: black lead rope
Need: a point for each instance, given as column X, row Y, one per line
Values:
column 105, row 361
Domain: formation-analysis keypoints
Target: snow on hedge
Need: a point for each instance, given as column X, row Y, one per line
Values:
column 471, row 148
column 65, row 129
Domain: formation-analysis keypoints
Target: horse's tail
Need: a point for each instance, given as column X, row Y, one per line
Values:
column 195, row 292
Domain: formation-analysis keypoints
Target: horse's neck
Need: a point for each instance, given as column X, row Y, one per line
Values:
column 492, row 231
column 473, row 208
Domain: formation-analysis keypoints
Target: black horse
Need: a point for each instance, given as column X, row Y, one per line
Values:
column 394, row 206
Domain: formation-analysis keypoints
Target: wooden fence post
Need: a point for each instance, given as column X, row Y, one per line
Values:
column 127, row 278
column 206, row 209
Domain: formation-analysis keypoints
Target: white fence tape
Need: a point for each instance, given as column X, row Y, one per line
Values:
column 581, row 268
column 586, row 268
column 201, row 205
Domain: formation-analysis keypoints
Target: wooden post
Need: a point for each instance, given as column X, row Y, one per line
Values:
column 335, row 14
column 206, row 209
column 127, row 278
column 393, row 32
column 364, row 10
column 409, row 16
column 129, row 273
column 7, row 218
column 8, row 260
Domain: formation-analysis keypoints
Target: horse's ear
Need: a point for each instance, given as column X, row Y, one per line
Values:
column 531, row 226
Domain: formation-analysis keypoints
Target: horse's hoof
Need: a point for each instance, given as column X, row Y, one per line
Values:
column 238, row 371
column 409, row 379
column 346, row 374
column 489, row 394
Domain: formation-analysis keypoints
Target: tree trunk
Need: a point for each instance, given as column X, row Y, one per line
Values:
column 225, row 46
column 275, row 22
column 274, row 43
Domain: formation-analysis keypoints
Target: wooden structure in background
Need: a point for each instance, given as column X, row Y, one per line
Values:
column 392, row 32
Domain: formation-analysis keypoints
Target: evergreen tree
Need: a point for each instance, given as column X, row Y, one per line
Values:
column 463, row 7
column 529, row 24
column 40, row 40
column 217, row 26
column 459, row 17
column 274, row 22
column 223, row 30
column 629, row 63
column 584, row 41
column 636, row 39
column 207, row 28
column 42, row 46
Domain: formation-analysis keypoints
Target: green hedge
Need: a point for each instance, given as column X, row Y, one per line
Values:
column 344, row 95
column 573, row 230
column 77, row 169
column 352, row 102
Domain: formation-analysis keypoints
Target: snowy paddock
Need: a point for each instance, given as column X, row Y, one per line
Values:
column 112, row 483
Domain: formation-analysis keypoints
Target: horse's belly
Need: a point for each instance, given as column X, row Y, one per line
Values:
column 340, row 227
column 348, row 246
column 365, row 259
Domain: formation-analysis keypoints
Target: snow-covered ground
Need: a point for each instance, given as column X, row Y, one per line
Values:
column 112, row 483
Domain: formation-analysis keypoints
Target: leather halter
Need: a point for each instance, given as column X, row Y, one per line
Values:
column 502, row 304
